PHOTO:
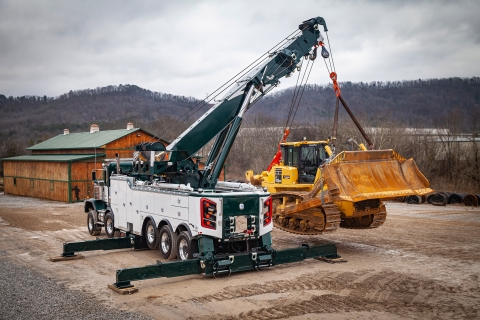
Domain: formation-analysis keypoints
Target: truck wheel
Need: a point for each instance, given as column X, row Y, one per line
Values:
column 109, row 226
column 93, row 228
column 168, row 243
column 184, row 246
column 151, row 235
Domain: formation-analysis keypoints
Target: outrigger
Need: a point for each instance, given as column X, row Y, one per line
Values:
column 205, row 262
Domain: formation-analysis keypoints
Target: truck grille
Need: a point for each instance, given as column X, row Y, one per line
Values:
column 98, row 192
column 366, row 205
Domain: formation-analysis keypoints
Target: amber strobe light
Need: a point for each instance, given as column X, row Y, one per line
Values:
column 208, row 213
column 267, row 216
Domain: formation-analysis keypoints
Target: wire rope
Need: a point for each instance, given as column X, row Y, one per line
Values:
column 326, row 65
column 311, row 67
column 201, row 104
column 331, row 52
column 298, row 91
column 292, row 103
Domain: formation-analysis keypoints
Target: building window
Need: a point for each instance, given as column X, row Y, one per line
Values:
column 15, row 181
column 31, row 183
column 51, row 185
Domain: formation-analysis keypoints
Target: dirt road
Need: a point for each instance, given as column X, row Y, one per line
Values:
column 423, row 263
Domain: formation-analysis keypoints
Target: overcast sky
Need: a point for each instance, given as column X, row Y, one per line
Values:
column 192, row 47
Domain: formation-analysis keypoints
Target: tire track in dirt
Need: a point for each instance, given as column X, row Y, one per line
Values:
column 331, row 303
column 373, row 283
column 354, row 291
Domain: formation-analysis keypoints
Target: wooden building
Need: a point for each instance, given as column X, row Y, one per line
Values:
column 57, row 177
column 60, row 168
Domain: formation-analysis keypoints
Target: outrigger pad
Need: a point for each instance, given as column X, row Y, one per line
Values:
column 66, row 258
column 128, row 290
column 331, row 260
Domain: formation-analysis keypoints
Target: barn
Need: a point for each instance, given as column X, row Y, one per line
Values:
column 60, row 168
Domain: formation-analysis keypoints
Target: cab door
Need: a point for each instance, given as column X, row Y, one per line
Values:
column 308, row 163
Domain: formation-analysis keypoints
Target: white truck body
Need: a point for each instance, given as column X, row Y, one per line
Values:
column 133, row 202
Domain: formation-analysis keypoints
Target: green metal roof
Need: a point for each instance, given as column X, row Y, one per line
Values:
column 54, row 157
column 83, row 140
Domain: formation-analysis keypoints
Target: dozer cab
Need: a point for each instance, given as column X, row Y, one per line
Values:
column 314, row 190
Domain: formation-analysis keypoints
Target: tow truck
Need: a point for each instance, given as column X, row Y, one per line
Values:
column 161, row 200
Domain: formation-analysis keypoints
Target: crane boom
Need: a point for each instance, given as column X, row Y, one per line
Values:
column 225, row 117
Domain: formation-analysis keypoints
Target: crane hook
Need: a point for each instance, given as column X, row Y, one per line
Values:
column 336, row 88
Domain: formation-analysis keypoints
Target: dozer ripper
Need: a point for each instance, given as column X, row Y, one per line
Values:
column 314, row 190
column 160, row 199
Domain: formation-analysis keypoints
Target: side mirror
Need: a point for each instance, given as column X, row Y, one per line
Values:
column 94, row 175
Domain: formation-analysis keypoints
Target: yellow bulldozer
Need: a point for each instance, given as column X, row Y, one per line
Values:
column 314, row 191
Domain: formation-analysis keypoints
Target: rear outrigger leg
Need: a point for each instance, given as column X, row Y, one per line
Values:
column 128, row 241
column 216, row 264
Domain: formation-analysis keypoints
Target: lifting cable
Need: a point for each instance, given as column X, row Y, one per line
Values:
column 295, row 104
column 250, row 105
column 331, row 52
column 231, row 121
column 303, row 90
column 292, row 103
column 331, row 62
column 206, row 101
column 296, row 97
column 213, row 95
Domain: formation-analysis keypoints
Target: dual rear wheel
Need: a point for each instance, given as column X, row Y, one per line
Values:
column 151, row 235
column 186, row 247
column 109, row 226
column 172, row 245
column 168, row 243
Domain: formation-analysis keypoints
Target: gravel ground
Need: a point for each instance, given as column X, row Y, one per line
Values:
column 25, row 294
column 423, row 263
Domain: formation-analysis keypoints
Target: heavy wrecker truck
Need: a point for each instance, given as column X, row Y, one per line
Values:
column 162, row 200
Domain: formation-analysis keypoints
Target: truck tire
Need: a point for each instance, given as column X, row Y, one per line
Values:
column 151, row 235
column 168, row 243
column 109, row 225
column 93, row 228
column 184, row 246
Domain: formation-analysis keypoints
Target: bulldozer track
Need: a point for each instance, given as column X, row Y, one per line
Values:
column 306, row 233
column 378, row 219
column 330, row 222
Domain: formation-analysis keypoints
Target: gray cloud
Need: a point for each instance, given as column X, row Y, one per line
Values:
column 190, row 48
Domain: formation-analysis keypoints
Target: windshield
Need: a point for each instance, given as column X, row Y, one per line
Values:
column 309, row 156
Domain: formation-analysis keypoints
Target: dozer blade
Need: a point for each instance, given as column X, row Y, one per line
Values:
column 382, row 174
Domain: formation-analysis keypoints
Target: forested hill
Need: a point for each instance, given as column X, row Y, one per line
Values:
column 414, row 103
column 39, row 118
